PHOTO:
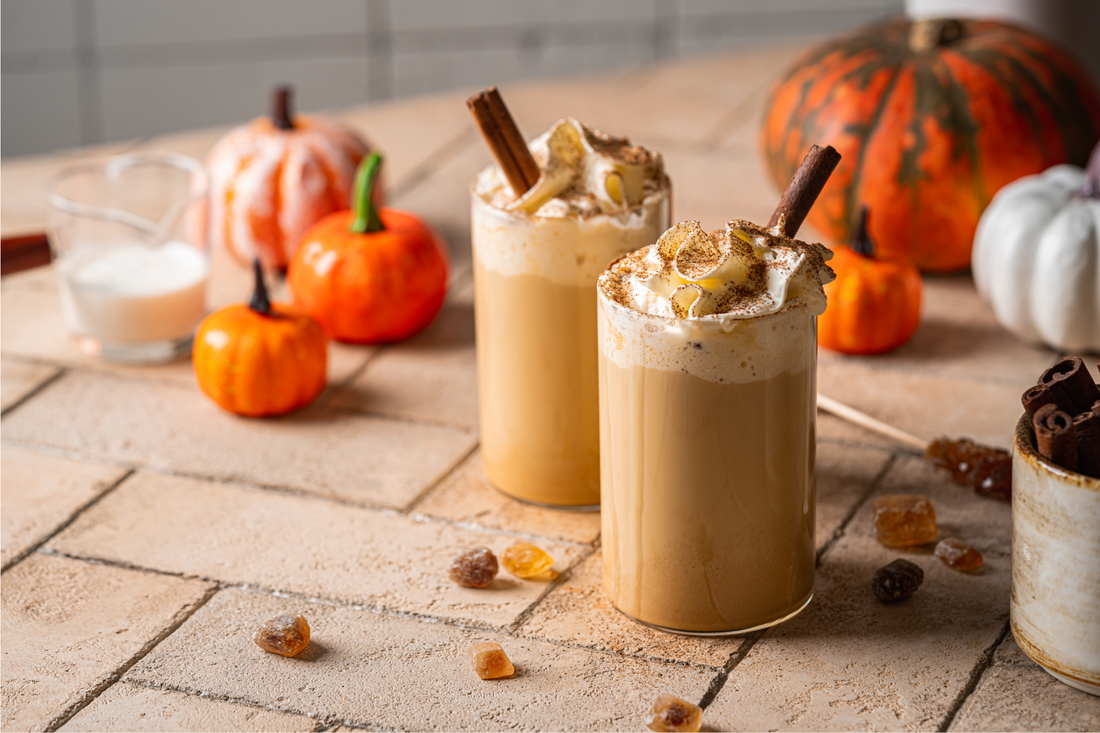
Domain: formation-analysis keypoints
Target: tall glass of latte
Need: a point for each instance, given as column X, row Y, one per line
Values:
column 536, row 261
column 708, row 364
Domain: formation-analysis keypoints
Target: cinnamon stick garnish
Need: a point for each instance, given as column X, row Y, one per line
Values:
column 504, row 140
column 1054, row 437
column 1035, row 398
column 1086, row 433
column 280, row 108
column 1071, row 385
column 804, row 189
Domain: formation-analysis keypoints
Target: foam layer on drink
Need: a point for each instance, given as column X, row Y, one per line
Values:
column 708, row 298
column 597, row 197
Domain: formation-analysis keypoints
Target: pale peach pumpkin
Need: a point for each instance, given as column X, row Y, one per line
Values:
column 273, row 178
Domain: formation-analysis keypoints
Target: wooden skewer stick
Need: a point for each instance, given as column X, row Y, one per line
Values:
column 853, row 415
column 804, row 188
column 504, row 140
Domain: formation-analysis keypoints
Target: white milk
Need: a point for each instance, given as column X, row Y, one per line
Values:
column 132, row 292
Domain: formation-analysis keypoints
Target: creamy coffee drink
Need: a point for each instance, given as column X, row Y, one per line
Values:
column 536, row 261
column 708, row 364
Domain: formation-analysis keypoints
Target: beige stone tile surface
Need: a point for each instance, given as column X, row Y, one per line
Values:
column 1017, row 694
column 430, row 378
column 19, row 378
column 578, row 613
column 924, row 404
column 68, row 626
column 256, row 537
column 125, row 706
column 845, row 475
column 358, row 661
column 467, row 497
column 40, row 493
column 356, row 458
column 849, row 662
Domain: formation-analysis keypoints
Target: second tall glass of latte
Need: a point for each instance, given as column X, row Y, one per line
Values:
column 708, row 363
column 536, row 261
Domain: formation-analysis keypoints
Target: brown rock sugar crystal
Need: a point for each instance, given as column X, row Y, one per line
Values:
column 897, row 581
column 904, row 520
column 286, row 634
column 524, row 560
column 957, row 554
column 489, row 661
column 475, row 568
column 670, row 713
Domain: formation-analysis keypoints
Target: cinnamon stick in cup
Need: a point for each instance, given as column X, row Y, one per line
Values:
column 1071, row 385
column 1054, row 436
column 1086, row 433
column 1035, row 398
column 505, row 142
column 803, row 189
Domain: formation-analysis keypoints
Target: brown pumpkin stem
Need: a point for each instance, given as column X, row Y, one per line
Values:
column 280, row 108
column 803, row 190
column 1090, row 189
column 932, row 33
column 860, row 242
column 260, row 303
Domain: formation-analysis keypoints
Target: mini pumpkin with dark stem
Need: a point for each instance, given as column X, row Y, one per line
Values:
column 874, row 302
column 370, row 275
column 260, row 359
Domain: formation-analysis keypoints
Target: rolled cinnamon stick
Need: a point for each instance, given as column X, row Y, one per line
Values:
column 504, row 140
column 804, row 188
column 1054, row 436
column 1035, row 398
column 1071, row 385
column 1086, row 433
column 1096, row 407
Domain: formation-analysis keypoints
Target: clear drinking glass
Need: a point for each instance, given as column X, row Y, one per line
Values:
column 707, row 436
column 129, row 239
column 535, row 306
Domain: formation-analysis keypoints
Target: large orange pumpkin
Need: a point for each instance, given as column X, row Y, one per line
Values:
column 931, row 118
column 272, row 179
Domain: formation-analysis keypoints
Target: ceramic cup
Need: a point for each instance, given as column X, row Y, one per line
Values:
column 1055, row 606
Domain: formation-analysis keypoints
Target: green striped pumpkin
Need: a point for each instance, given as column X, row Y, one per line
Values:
column 931, row 118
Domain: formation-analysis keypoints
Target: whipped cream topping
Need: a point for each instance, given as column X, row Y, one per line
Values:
column 584, row 172
column 743, row 271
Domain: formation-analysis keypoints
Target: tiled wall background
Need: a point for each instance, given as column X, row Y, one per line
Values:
column 79, row 72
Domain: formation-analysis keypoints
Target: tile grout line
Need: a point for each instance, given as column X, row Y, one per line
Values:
column 985, row 662
column 735, row 659
column 432, row 485
column 376, row 609
column 525, row 615
column 66, row 715
column 843, row 526
column 68, row 522
column 322, row 723
column 305, row 494
column 62, row 371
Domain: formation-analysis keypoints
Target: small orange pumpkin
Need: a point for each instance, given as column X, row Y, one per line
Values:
column 874, row 302
column 370, row 275
column 260, row 359
column 272, row 179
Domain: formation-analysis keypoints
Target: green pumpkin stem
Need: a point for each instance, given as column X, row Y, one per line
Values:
column 366, row 215
column 260, row 303
column 280, row 108
column 861, row 242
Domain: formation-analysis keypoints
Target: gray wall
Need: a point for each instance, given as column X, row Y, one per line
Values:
column 77, row 72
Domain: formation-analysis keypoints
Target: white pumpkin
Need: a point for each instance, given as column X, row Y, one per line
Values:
column 1036, row 257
